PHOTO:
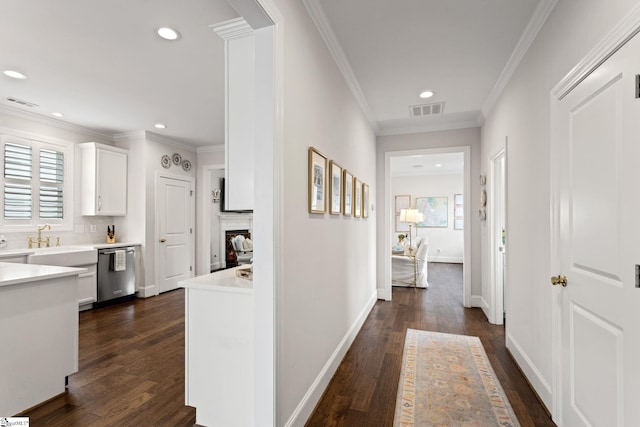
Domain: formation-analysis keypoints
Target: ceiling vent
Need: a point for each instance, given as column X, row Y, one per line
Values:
column 426, row 109
column 22, row 102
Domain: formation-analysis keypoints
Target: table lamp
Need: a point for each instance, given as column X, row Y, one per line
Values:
column 411, row 216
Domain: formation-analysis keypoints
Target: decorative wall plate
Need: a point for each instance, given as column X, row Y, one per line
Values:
column 483, row 180
column 165, row 161
column 482, row 214
column 186, row 165
column 177, row 159
column 483, row 198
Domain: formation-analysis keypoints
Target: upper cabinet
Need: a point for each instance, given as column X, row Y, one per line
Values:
column 104, row 180
column 240, row 118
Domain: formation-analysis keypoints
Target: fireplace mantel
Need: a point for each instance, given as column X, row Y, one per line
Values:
column 233, row 221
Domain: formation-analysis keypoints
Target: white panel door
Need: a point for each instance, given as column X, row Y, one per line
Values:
column 598, row 245
column 174, row 219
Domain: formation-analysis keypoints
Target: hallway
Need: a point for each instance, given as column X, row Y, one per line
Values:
column 363, row 390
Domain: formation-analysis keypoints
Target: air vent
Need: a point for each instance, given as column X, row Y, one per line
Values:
column 22, row 102
column 426, row 109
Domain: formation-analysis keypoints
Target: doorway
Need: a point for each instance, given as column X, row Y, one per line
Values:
column 498, row 237
column 390, row 213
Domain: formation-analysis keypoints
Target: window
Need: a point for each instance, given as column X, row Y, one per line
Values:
column 35, row 183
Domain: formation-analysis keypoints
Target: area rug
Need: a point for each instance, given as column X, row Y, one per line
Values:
column 446, row 380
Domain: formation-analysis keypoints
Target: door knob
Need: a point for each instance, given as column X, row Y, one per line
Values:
column 163, row 240
column 559, row 280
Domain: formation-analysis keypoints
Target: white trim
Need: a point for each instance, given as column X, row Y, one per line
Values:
column 211, row 149
column 446, row 259
column 316, row 11
column 484, row 306
column 533, row 375
column 317, row 388
column 232, row 28
column 477, row 302
column 146, row 135
column 384, row 256
column 540, row 15
column 205, row 265
column 384, row 294
column 146, row 291
column 628, row 27
column 496, row 291
column 429, row 128
column 28, row 115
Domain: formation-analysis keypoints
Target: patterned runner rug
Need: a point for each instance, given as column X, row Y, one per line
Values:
column 447, row 380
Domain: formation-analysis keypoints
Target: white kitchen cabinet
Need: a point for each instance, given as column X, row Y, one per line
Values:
column 88, row 287
column 104, row 180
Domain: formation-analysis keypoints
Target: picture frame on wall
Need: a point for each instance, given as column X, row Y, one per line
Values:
column 347, row 193
column 317, row 181
column 357, row 198
column 402, row 202
column 435, row 211
column 365, row 200
column 335, row 187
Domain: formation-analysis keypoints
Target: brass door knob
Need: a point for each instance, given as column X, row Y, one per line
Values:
column 559, row 280
column 163, row 240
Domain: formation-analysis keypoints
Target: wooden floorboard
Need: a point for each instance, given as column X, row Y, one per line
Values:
column 131, row 368
column 363, row 389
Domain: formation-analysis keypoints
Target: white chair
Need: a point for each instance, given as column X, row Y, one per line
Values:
column 243, row 256
column 403, row 270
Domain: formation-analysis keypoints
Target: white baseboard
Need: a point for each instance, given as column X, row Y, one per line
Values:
column 484, row 305
column 448, row 259
column 214, row 266
column 383, row 294
column 147, row 291
column 313, row 395
column 534, row 376
column 476, row 301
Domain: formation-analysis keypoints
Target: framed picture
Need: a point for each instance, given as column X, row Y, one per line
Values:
column 402, row 202
column 365, row 200
column 357, row 198
column 335, row 187
column 347, row 193
column 317, row 181
column 401, row 226
column 434, row 210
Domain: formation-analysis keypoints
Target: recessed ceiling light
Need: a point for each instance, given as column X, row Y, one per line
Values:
column 168, row 33
column 426, row 94
column 15, row 74
column 160, row 126
column 438, row 165
column 418, row 166
column 56, row 114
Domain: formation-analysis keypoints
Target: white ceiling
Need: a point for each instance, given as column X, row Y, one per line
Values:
column 428, row 164
column 102, row 65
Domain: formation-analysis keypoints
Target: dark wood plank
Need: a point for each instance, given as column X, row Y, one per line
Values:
column 131, row 368
column 363, row 390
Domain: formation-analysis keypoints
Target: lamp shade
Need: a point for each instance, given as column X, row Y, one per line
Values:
column 411, row 215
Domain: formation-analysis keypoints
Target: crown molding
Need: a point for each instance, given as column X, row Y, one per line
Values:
column 128, row 136
column 321, row 21
column 540, row 15
column 211, row 149
column 626, row 29
column 171, row 142
column 232, row 29
column 39, row 118
column 428, row 128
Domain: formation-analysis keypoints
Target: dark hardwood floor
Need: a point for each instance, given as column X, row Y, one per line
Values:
column 131, row 368
column 363, row 390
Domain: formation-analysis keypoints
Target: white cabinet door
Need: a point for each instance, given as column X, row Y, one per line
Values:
column 104, row 180
column 111, row 182
column 88, row 286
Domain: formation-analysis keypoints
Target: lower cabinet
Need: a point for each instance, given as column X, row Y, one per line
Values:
column 88, row 287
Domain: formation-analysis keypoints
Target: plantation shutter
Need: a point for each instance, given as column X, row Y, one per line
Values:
column 17, row 183
column 51, row 203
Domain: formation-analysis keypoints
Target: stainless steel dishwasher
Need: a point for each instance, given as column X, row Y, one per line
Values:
column 116, row 273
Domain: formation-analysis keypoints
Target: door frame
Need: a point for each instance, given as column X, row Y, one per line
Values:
column 203, row 266
column 497, row 308
column 624, row 31
column 389, row 217
column 192, row 221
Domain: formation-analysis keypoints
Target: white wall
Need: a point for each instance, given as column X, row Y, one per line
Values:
column 449, row 241
column 415, row 141
column 328, row 282
column 523, row 115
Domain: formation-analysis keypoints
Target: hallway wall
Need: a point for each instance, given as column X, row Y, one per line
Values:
column 522, row 114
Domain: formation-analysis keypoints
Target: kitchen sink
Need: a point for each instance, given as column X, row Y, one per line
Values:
column 64, row 256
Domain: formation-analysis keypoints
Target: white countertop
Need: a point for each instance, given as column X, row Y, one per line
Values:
column 13, row 274
column 8, row 253
column 222, row 281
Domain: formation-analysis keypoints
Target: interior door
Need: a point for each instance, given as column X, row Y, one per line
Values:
column 597, row 245
column 175, row 226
